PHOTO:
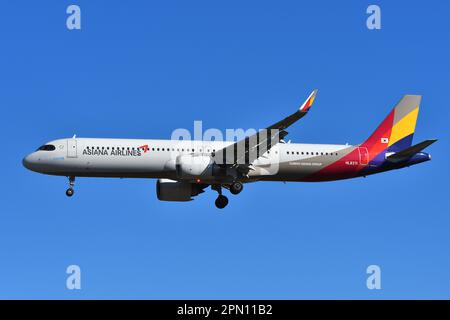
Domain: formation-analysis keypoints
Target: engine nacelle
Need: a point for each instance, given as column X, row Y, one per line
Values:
column 192, row 166
column 170, row 190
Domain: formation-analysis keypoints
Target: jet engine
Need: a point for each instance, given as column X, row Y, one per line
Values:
column 171, row 190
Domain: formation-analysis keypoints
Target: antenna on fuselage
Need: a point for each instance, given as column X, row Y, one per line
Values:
column 74, row 136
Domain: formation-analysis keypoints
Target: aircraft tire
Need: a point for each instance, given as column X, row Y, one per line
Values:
column 70, row 192
column 221, row 202
column 236, row 187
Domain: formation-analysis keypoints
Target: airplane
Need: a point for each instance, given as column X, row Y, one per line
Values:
column 185, row 168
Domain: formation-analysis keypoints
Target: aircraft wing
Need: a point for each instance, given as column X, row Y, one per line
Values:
column 247, row 150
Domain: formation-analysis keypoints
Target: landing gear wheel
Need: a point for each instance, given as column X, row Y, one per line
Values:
column 221, row 202
column 69, row 192
column 236, row 187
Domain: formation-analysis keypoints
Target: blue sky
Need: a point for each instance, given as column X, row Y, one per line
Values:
column 141, row 69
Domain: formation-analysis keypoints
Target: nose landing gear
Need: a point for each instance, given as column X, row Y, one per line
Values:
column 70, row 191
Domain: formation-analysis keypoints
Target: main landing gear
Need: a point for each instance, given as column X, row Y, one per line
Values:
column 222, row 201
column 70, row 191
column 236, row 187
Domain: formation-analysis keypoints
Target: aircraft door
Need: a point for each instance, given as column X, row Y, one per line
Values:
column 71, row 148
column 363, row 155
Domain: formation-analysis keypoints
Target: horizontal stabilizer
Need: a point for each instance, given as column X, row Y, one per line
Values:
column 409, row 152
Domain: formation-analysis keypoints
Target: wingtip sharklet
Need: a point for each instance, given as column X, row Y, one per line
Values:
column 308, row 103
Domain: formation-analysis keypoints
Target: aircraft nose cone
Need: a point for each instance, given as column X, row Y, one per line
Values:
column 28, row 162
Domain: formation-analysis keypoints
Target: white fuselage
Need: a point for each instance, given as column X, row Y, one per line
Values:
column 143, row 158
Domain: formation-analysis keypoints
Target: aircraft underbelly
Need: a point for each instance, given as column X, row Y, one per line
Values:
column 291, row 171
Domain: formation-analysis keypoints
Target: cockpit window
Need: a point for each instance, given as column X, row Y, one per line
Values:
column 47, row 147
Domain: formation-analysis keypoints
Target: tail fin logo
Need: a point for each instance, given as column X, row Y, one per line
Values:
column 396, row 132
